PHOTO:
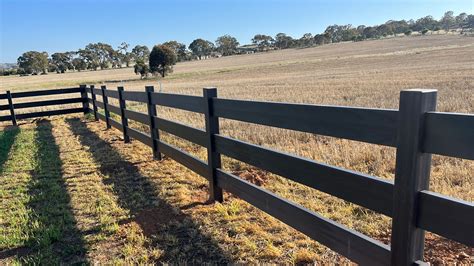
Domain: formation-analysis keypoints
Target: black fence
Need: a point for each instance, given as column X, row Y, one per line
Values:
column 416, row 130
column 12, row 106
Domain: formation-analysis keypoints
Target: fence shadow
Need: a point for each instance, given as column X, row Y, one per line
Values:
column 158, row 219
column 54, row 236
column 7, row 138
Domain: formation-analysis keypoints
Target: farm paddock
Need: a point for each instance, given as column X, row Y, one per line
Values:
column 109, row 226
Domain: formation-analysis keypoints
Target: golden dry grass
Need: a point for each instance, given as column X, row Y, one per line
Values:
column 368, row 74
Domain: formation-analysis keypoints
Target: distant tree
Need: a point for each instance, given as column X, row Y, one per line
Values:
column 360, row 29
column 91, row 58
column 306, row 40
column 469, row 22
column 408, row 32
column 141, row 68
column 227, row 45
column 103, row 52
column 79, row 64
column 62, row 62
column 116, row 58
column 179, row 49
column 396, row 27
column 424, row 31
column 384, row 30
column 283, row 41
column 201, row 48
column 339, row 33
column 33, row 62
column 124, row 54
column 320, row 39
column 262, row 41
column 162, row 59
column 8, row 72
column 370, row 33
column 427, row 22
column 140, row 52
column 448, row 20
column 98, row 55
column 461, row 20
column 52, row 67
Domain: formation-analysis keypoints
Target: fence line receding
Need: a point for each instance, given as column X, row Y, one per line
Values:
column 416, row 130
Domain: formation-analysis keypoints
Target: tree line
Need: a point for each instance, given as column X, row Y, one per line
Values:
column 162, row 57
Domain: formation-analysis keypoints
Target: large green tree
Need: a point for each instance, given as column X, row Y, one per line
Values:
column 263, row 41
column 162, row 59
column 90, row 57
column 283, row 41
column 201, row 48
column 62, row 61
column 33, row 62
column 79, row 64
column 179, row 49
column 99, row 55
column 306, row 40
column 124, row 55
column 140, row 52
column 448, row 20
column 227, row 45
column 141, row 68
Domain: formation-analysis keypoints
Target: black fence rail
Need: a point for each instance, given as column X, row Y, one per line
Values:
column 416, row 130
column 12, row 106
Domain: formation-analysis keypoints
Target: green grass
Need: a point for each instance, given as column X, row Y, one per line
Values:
column 37, row 224
column 7, row 137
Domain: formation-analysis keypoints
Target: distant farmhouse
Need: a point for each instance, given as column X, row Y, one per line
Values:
column 247, row 49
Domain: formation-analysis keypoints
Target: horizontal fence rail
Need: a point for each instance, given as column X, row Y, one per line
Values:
column 368, row 125
column 42, row 92
column 12, row 106
column 450, row 134
column 412, row 206
column 370, row 192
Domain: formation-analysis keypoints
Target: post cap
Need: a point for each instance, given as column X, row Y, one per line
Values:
column 420, row 90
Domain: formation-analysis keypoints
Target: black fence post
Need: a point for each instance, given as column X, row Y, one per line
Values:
column 12, row 108
column 106, row 101
column 213, row 157
column 123, row 106
column 154, row 133
column 94, row 104
column 85, row 102
column 411, row 175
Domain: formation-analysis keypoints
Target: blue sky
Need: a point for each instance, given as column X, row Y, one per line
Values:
column 65, row 25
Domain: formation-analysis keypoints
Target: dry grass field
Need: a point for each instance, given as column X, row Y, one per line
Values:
column 116, row 206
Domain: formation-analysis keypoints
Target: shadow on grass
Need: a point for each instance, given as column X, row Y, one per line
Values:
column 7, row 138
column 53, row 235
column 159, row 220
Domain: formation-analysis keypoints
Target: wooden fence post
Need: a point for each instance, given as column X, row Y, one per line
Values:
column 85, row 103
column 94, row 104
column 411, row 175
column 154, row 133
column 12, row 108
column 123, row 105
column 106, row 101
column 213, row 158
